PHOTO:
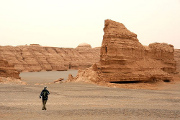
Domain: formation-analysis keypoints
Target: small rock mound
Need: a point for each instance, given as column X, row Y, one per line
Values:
column 84, row 45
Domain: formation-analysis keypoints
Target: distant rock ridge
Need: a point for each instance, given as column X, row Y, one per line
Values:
column 38, row 58
column 124, row 58
column 84, row 45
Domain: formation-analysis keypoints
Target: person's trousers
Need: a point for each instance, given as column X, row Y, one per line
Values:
column 44, row 104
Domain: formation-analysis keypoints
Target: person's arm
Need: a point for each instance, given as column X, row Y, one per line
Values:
column 48, row 92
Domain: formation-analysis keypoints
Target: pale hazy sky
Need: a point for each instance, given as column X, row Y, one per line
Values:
column 67, row 23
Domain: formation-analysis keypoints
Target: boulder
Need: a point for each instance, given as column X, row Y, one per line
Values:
column 58, row 80
column 70, row 77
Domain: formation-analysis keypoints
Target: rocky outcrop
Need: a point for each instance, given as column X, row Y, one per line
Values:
column 177, row 58
column 70, row 77
column 7, row 70
column 58, row 80
column 89, row 54
column 123, row 58
column 38, row 58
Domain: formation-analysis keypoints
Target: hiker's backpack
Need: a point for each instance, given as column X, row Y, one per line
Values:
column 44, row 94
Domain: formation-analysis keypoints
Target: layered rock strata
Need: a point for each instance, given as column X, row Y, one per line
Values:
column 177, row 58
column 38, row 58
column 124, row 58
column 7, row 70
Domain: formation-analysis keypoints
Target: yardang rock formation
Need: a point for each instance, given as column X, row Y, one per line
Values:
column 177, row 59
column 38, row 58
column 7, row 70
column 124, row 59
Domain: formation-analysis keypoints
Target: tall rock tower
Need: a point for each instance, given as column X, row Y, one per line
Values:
column 124, row 58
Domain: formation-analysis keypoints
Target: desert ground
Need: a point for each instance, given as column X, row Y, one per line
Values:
column 80, row 101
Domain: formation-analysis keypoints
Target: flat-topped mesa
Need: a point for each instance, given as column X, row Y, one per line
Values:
column 165, row 53
column 84, row 48
column 84, row 45
column 161, row 51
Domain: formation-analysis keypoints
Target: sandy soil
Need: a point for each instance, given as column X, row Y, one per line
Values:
column 80, row 101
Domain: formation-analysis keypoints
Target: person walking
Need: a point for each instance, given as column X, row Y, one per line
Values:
column 44, row 94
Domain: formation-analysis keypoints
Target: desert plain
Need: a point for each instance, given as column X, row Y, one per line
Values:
column 122, row 80
column 80, row 101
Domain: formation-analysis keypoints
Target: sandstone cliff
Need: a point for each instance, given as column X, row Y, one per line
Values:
column 177, row 58
column 7, row 70
column 38, row 58
column 123, row 58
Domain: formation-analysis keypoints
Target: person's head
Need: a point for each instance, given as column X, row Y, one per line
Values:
column 45, row 87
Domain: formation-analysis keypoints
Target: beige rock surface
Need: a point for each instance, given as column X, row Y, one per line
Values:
column 7, row 70
column 38, row 58
column 58, row 80
column 124, row 58
column 70, row 77
column 177, row 58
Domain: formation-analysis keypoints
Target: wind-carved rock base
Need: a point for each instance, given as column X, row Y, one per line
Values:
column 124, row 59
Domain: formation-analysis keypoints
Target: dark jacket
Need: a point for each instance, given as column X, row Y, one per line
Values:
column 44, row 94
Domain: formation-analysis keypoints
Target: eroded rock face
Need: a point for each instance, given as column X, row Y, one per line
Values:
column 89, row 54
column 177, row 58
column 7, row 70
column 124, row 58
column 39, row 58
